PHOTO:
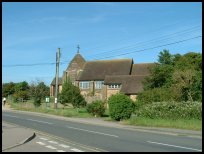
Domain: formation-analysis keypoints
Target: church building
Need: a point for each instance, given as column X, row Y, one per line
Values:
column 98, row 80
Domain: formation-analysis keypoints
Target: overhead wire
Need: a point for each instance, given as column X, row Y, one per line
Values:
column 151, row 47
column 112, row 51
column 157, row 29
column 145, row 42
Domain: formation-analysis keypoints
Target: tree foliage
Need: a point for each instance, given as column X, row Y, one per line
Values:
column 96, row 108
column 180, row 74
column 21, row 91
column 38, row 91
column 8, row 89
column 70, row 94
column 165, row 57
column 120, row 106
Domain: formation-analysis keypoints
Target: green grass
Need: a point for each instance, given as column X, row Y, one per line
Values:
column 190, row 124
column 68, row 111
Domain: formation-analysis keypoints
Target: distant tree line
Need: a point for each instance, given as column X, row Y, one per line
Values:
column 22, row 91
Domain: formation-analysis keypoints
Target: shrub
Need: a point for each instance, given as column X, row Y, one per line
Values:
column 156, row 95
column 171, row 110
column 120, row 106
column 137, row 105
column 96, row 108
column 37, row 101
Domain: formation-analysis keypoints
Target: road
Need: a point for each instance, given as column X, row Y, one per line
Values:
column 101, row 138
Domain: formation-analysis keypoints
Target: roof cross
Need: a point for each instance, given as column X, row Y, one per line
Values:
column 78, row 48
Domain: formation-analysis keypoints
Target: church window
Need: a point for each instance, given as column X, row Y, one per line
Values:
column 84, row 85
column 99, row 84
column 114, row 86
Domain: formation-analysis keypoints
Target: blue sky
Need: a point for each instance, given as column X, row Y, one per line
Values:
column 32, row 32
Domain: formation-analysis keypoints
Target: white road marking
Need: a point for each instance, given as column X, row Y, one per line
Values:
column 53, row 142
column 60, row 151
column 92, row 131
column 40, row 121
column 64, row 146
column 41, row 143
column 43, row 138
column 77, row 150
column 173, row 146
column 10, row 116
column 51, row 147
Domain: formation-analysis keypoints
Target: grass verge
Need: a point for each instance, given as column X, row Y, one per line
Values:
column 66, row 112
column 190, row 124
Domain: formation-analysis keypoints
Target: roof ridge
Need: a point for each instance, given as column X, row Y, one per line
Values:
column 109, row 60
column 124, row 75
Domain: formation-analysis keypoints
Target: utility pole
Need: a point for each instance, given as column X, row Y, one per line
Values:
column 57, row 75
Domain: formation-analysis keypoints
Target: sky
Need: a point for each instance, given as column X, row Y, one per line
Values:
column 32, row 32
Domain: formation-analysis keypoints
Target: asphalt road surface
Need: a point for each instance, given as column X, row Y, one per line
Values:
column 44, row 143
column 101, row 138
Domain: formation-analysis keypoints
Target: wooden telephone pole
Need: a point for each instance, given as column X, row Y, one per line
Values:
column 57, row 76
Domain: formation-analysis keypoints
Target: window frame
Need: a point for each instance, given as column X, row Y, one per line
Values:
column 114, row 86
column 83, row 84
column 99, row 84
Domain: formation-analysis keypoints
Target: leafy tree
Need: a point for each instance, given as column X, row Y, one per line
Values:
column 21, row 91
column 161, row 75
column 156, row 95
column 21, row 86
column 21, row 95
column 184, row 81
column 189, row 60
column 38, row 91
column 180, row 74
column 194, row 59
column 165, row 57
column 77, row 100
column 70, row 94
column 8, row 89
column 197, row 87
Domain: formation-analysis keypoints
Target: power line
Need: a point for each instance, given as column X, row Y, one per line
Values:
column 158, row 29
column 40, row 64
column 152, row 40
column 151, row 47
column 35, row 64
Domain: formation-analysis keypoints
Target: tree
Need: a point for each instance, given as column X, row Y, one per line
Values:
column 197, row 86
column 182, row 74
column 21, row 91
column 161, row 76
column 189, row 60
column 165, row 57
column 77, row 100
column 70, row 94
column 8, row 89
column 21, row 86
column 38, row 91
column 184, row 82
